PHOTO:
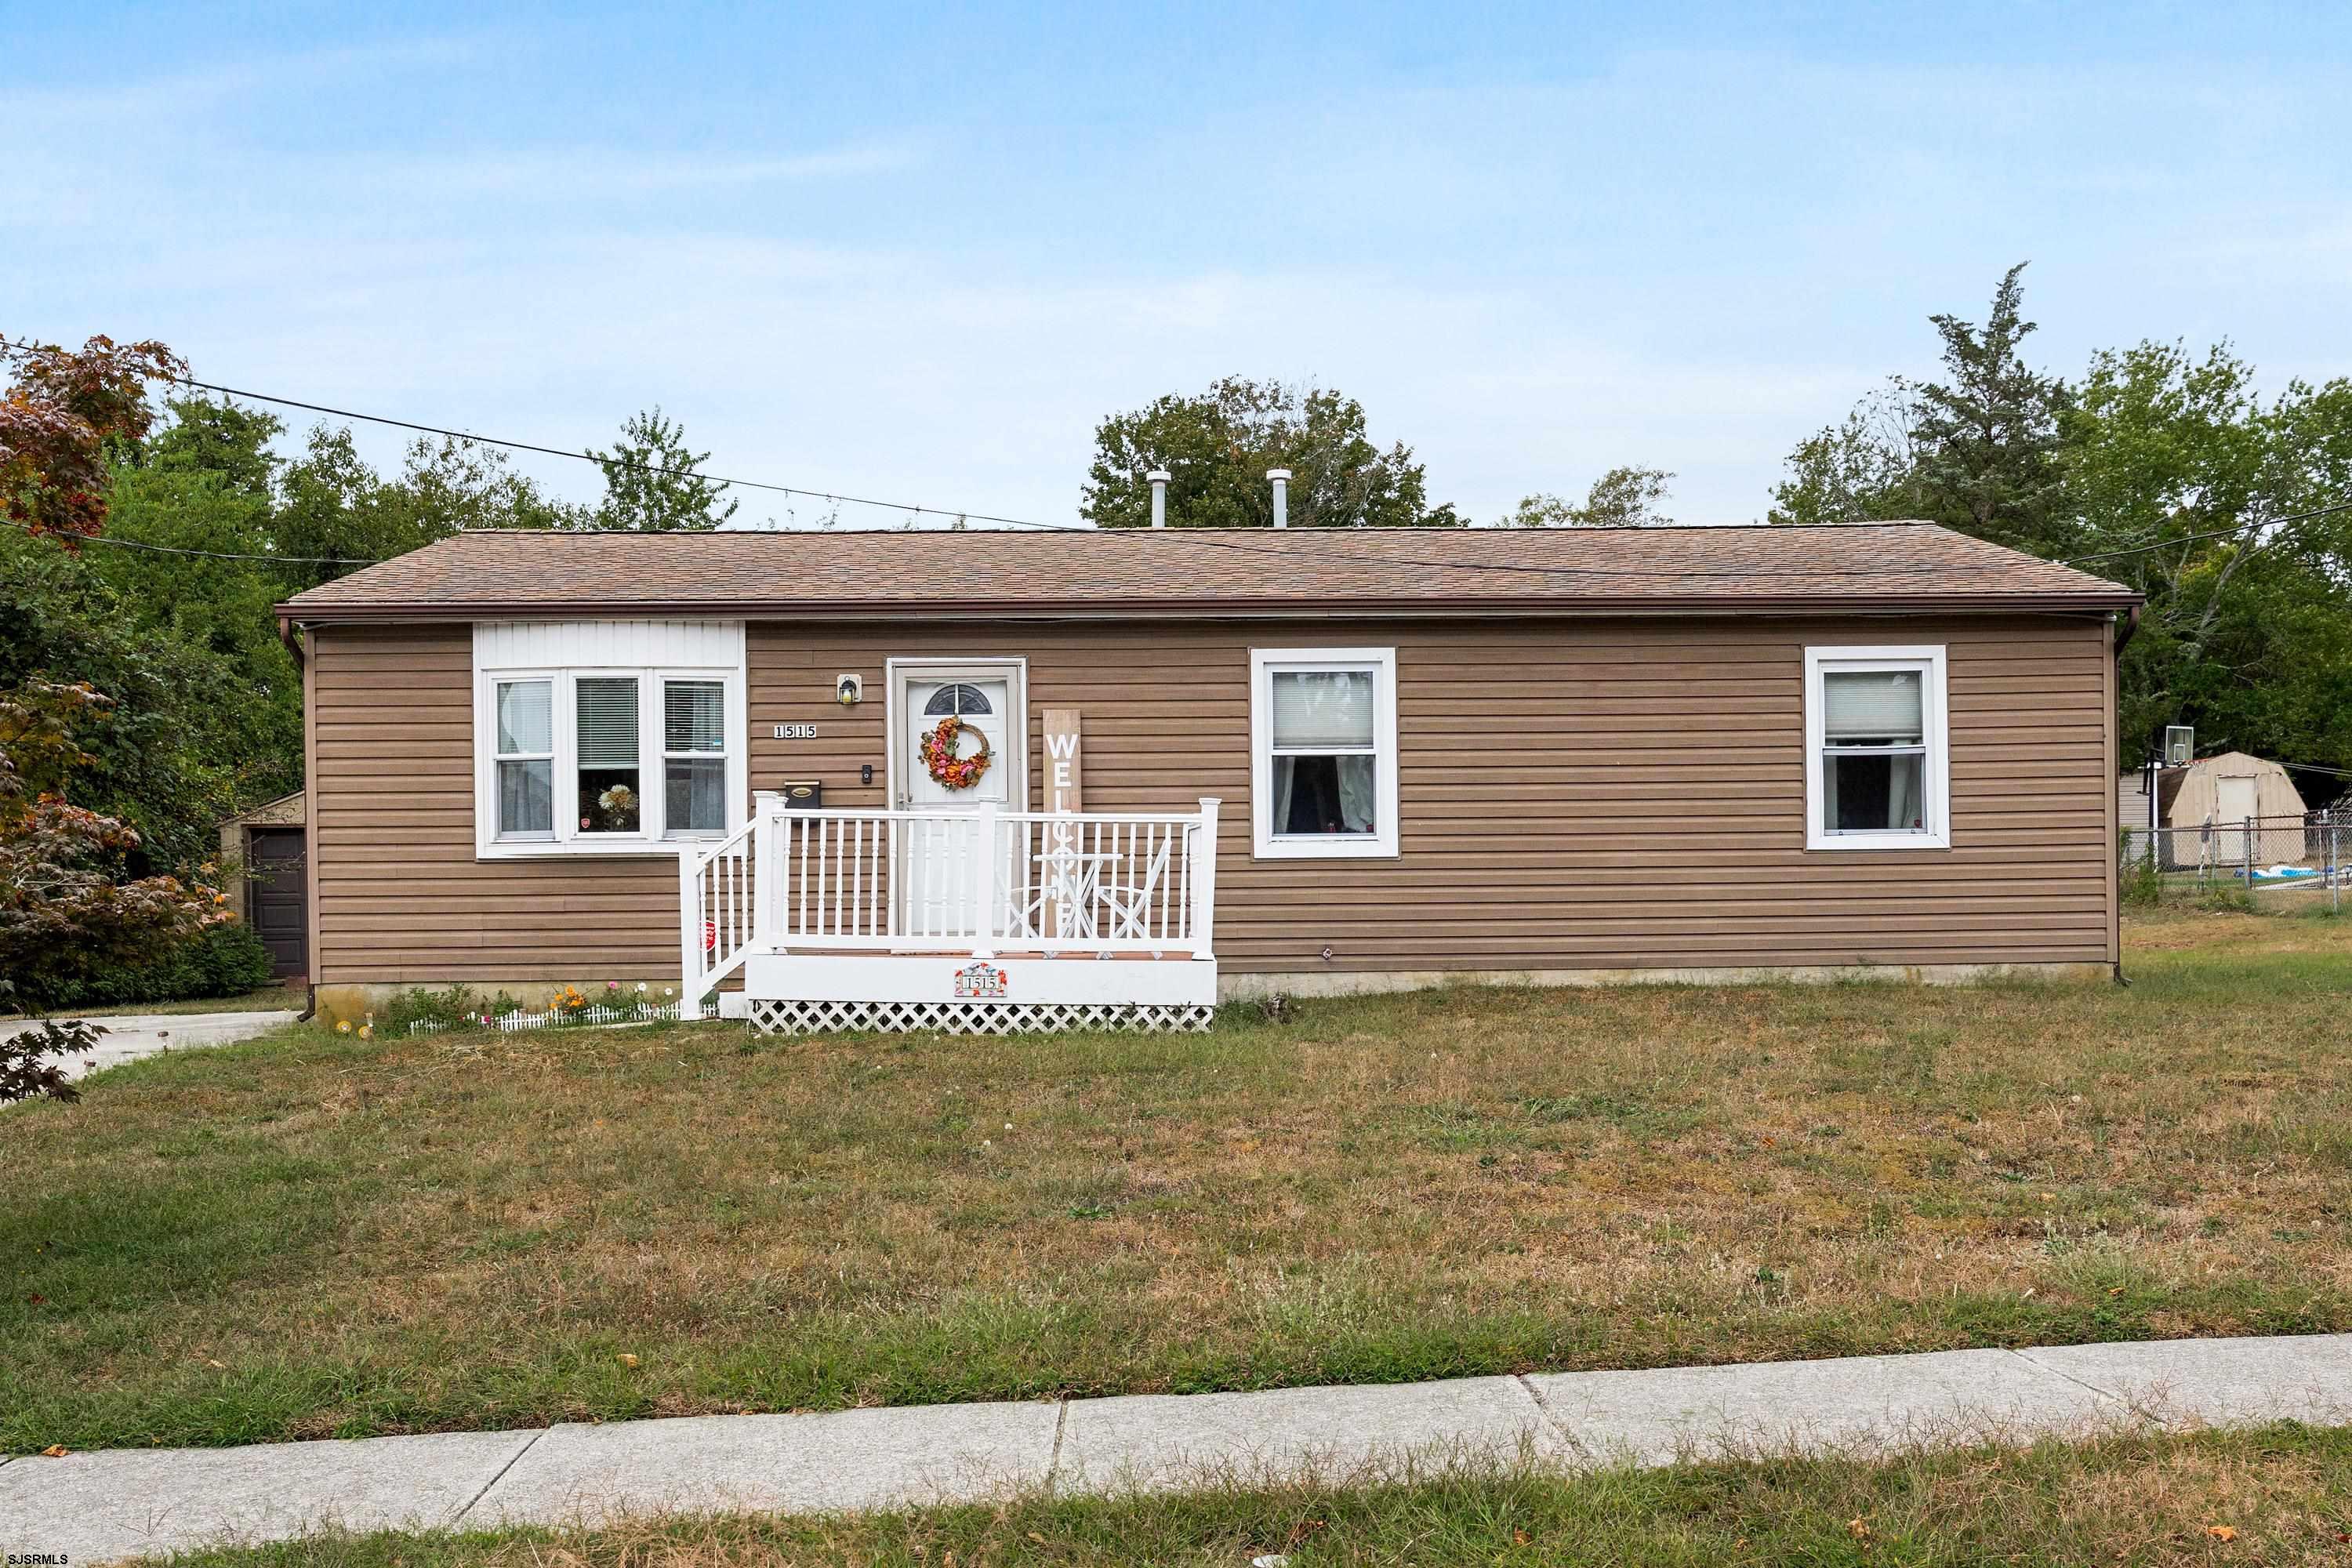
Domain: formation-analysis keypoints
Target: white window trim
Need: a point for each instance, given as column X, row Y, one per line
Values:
column 1928, row 660
column 1380, row 844
column 567, row 839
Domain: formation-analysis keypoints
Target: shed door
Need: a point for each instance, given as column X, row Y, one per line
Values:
column 2233, row 799
column 281, row 911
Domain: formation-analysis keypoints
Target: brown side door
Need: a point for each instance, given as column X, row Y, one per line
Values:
column 281, row 915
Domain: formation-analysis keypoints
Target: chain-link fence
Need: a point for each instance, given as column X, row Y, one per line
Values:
column 2267, row 858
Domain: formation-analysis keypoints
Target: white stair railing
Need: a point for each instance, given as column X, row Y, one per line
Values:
column 718, row 905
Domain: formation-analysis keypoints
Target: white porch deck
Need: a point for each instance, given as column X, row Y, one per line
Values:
column 985, row 921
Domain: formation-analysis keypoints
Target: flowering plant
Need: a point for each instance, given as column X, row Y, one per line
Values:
column 939, row 748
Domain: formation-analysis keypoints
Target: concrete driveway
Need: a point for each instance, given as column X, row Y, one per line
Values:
column 131, row 1037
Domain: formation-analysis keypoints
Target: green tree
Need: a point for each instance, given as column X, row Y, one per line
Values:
column 1621, row 497
column 1863, row 469
column 1219, row 445
column 1986, row 435
column 179, row 727
column 222, row 438
column 331, row 505
column 2247, row 634
column 69, row 903
column 1975, row 449
column 187, row 511
column 650, row 483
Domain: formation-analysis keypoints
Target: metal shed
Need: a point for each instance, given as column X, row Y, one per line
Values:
column 2220, row 793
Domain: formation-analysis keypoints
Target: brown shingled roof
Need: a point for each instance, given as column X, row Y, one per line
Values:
column 1011, row 574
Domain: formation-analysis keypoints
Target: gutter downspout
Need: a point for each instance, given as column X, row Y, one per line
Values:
column 2126, row 627
column 293, row 643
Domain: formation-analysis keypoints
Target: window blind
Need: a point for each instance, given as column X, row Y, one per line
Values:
column 1322, row 708
column 526, row 716
column 693, row 716
column 1874, row 705
column 608, row 722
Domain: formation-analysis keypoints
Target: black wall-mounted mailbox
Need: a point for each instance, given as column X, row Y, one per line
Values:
column 802, row 795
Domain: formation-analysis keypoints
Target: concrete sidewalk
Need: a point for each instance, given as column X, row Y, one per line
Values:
column 104, row 1505
column 128, row 1038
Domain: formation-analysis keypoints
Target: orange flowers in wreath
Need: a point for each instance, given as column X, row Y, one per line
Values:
column 939, row 757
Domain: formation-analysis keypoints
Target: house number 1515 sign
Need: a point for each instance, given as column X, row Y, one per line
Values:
column 795, row 732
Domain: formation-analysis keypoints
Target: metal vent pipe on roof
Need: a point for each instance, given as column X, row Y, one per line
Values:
column 1281, row 477
column 1159, row 477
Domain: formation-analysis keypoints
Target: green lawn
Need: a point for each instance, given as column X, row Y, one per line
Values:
column 2279, row 1496
column 318, row 1235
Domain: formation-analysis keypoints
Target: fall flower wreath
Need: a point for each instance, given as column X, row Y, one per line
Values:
column 939, row 757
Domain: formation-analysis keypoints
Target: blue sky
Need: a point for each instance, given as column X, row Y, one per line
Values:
column 919, row 253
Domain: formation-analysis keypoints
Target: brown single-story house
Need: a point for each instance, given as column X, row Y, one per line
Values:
column 963, row 779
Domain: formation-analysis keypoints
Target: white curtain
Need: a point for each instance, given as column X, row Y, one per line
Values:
column 1903, row 792
column 1905, row 775
column 1285, row 773
column 697, row 795
column 1356, row 793
column 526, row 718
column 526, row 798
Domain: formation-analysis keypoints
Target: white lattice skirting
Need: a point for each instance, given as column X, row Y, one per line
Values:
column 774, row 1018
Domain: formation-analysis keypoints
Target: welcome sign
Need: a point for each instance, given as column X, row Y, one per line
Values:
column 1065, row 792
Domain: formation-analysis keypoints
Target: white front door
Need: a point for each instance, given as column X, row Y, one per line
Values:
column 941, row 875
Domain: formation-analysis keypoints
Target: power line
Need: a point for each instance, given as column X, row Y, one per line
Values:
column 1320, row 549
column 829, row 496
column 207, row 554
column 2217, row 533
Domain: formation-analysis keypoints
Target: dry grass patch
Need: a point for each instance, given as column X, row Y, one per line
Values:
column 317, row 1234
column 2277, row 1496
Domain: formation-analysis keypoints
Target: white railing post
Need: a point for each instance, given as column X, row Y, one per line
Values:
column 1204, row 881
column 986, row 902
column 769, row 843
column 689, row 933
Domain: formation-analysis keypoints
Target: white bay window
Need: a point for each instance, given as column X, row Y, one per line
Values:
column 579, row 754
column 1877, row 759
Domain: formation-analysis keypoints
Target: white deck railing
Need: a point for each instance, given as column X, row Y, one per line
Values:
column 981, row 882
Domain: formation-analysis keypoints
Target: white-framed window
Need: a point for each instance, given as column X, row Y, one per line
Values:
column 581, row 754
column 1877, row 749
column 1323, row 752
column 523, row 724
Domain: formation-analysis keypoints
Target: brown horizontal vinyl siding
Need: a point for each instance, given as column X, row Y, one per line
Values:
column 1573, row 795
column 1594, row 794
column 400, row 897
